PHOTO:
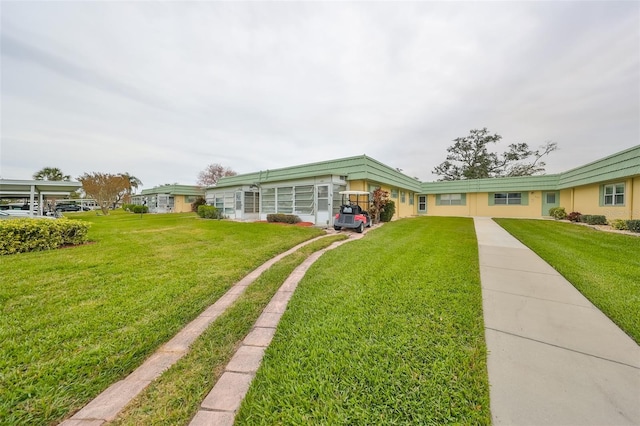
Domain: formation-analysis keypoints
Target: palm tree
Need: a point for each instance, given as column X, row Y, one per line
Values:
column 50, row 173
column 134, row 182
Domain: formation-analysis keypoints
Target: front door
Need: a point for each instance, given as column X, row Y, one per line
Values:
column 323, row 204
column 550, row 199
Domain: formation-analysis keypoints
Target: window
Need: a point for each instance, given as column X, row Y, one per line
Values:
column 304, row 199
column 269, row 200
column 238, row 200
column 251, row 202
column 402, row 196
column 551, row 197
column 285, row 200
column 411, row 197
column 614, row 194
column 190, row 198
column 422, row 203
column 394, row 193
column 500, row 198
column 450, row 199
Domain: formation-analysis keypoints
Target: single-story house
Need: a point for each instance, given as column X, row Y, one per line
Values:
column 609, row 186
column 169, row 198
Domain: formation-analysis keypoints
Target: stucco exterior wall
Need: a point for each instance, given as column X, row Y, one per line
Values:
column 588, row 200
column 180, row 205
column 635, row 200
column 403, row 209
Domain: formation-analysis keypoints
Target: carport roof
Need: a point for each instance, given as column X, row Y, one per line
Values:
column 21, row 188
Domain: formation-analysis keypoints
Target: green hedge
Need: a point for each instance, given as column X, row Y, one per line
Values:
column 387, row 212
column 558, row 213
column 209, row 212
column 593, row 219
column 283, row 218
column 633, row 225
column 25, row 234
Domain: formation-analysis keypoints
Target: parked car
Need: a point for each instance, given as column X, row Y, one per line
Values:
column 17, row 214
column 68, row 208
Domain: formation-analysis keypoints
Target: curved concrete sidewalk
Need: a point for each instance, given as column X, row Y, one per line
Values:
column 553, row 357
column 106, row 406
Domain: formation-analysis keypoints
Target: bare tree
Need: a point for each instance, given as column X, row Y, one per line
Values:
column 212, row 174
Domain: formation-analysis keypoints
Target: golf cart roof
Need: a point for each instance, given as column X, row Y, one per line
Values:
column 354, row 193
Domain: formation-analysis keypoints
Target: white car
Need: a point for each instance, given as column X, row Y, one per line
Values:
column 17, row 214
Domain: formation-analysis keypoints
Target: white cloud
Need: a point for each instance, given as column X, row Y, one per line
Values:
column 161, row 89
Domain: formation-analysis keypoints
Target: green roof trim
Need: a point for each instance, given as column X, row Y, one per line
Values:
column 355, row 168
column 621, row 165
column 174, row 190
column 506, row 184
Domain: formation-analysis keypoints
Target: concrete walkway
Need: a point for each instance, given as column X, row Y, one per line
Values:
column 554, row 358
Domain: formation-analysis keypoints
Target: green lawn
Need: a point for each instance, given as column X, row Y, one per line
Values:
column 603, row 266
column 75, row 320
column 175, row 397
column 384, row 330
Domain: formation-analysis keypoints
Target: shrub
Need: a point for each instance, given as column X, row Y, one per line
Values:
column 593, row 219
column 633, row 225
column 619, row 224
column 24, row 235
column 128, row 207
column 140, row 209
column 574, row 216
column 283, row 218
column 387, row 211
column 200, row 201
column 557, row 213
column 209, row 212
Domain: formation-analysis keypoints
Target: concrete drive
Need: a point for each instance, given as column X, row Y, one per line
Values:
column 554, row 358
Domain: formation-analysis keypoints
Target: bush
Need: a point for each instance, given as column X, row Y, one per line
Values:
column 200, row 201
column 283, row 218
column 24, row 235
column 633, row 225
column 619, row 224
column 574, row 216
column 557, row 213
column 593, row 219
column 140, row 209
column 209, row 212
column 387, row 211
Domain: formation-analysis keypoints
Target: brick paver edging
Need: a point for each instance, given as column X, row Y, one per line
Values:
column 220, row 405
column 106, row 406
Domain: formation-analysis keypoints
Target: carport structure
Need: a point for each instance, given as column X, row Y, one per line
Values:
column 36, row 190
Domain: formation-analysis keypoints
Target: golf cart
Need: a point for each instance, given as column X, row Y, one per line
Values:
column 353, row 211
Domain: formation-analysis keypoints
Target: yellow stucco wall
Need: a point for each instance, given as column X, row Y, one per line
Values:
column 405, row 209
column 587, row 200
column 477, row 204
column 179, row 204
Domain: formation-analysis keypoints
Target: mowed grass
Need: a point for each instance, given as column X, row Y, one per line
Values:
column 384, row 330
column 175, row 397
column 603, row 266
column 75, row 320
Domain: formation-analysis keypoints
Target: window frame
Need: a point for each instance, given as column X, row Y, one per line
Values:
column 614, row 195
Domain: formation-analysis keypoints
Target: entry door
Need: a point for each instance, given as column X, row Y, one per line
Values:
column 323, row 205
column 550, row 199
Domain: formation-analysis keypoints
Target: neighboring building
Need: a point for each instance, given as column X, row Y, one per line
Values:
column 169, row 198
column 610, row 187
column 310, row 191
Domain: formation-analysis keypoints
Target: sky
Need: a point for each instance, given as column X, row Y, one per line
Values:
column 160, row 90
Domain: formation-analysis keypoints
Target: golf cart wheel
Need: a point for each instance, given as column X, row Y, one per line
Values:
column 360, row 228
column 337, row 228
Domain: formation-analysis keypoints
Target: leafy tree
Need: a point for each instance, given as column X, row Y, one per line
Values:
column 51, row 173
column 134, row 183
column 212, row 174
column 469, row 158
column 107, row 189
column 378, row 204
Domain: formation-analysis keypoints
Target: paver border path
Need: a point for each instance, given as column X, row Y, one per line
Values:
column 107, row 405
column 221, row 404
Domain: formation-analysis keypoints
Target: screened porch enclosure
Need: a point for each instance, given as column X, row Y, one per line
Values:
column 310, row 201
